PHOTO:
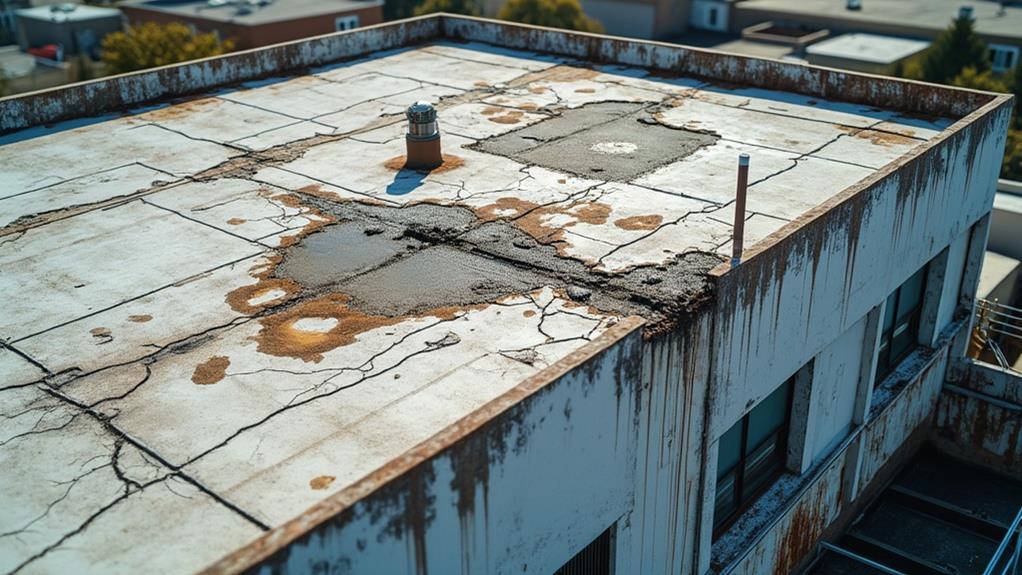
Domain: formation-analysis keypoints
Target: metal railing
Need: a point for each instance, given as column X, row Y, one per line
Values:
column 1008, row 558
column 997, row 326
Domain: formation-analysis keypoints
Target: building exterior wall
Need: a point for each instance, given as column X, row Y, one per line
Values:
column 786, row 306
column 979, row 416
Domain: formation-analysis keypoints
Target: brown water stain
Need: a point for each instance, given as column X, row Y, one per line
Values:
column 450, row 162
column 279, row 335
column 236, row 221
column 99, row 332
column 321, row 482
column 140, row 318
column 568, row 74
column 650, row 222
column 585, row 90
column 528, row 313
column 211, row 371
column 878, row 138
column 535, row 220
column 509, row 118
column 240, row 299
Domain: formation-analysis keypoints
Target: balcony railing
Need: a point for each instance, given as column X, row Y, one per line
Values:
column 1007, row 559
column 997, row 334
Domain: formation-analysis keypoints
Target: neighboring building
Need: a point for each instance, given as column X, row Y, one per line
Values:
column 864, row 52
column 76, row 28
column 998, row 23
column 254, row 23
column 23, row 72
column 238, row 336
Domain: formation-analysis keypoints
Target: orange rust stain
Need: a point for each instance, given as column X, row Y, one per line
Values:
column 236, row 221
column 279, row 335
column 141, row 318
column 877, row 138
column 568, row 74
column 529, row 106
column 451, row 162
column 240, row 299
column 211, row 371
column 179, row 110
column 481, row 84
column 491, row 110
column 538, row 89
column 650, row 222
column 321, row 482
column 534, row 220
column 528, row 313
column 512, row 117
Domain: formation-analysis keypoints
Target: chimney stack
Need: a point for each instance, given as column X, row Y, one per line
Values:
column 423, row 138
column 739, row 227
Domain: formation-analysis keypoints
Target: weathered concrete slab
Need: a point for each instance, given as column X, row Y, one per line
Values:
column 16, row 370
column 83, row 265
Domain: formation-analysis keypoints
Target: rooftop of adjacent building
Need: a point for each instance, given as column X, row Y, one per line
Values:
column 871, row 48
column 253, row 12
column 242, row 292
column 990, row 16
column 67, row 12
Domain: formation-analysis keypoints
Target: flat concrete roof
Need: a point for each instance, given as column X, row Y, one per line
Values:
column 79, row 13
column 929, row 15
column 229, row 308
column 872, row 48
column 254, row 13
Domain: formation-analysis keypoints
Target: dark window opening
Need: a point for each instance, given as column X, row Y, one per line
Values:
column 596, row 559
column 713, row 17
column 900, row 332
column 751, row 455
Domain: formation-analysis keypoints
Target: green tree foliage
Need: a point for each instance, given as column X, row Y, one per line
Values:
column 465, row 7
column 956, row 48
column 397, row 9
column 553, row 13
column 149, row 45
column 972, row 78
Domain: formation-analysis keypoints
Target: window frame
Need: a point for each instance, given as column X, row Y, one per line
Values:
column 886, row 364
column 1010, row 52
column 740, row 469
column 347, row 22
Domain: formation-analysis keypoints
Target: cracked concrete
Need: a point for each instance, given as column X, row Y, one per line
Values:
column 235, row 295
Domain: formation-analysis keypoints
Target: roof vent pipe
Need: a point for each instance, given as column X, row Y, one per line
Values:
column 423, row 138
column 739, row 232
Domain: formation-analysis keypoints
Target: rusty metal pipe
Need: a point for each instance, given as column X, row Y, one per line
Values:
column 739, row 232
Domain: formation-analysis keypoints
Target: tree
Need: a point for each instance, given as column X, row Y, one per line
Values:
column 149, row 45
column 397, row 9
column 553, row 13
column 972, row 78
column 956, row 48
column 466, row 7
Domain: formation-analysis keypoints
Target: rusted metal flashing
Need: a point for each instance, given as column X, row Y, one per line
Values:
column 280, row 537
column 120, row 92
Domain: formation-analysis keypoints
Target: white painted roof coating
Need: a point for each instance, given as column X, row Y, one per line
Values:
column 186, row 383
column 872, row 48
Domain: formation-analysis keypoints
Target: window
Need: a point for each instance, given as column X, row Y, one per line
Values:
column 346, row 22
column 1002, row 57
column 712, row 17
column 900, row 330
column 596, row 559
column 751, row 455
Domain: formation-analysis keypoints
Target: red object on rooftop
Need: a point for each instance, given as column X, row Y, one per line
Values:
column 48, row 51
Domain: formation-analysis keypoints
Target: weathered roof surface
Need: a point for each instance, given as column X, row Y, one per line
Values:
column 255, row 14
column 241, row 304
